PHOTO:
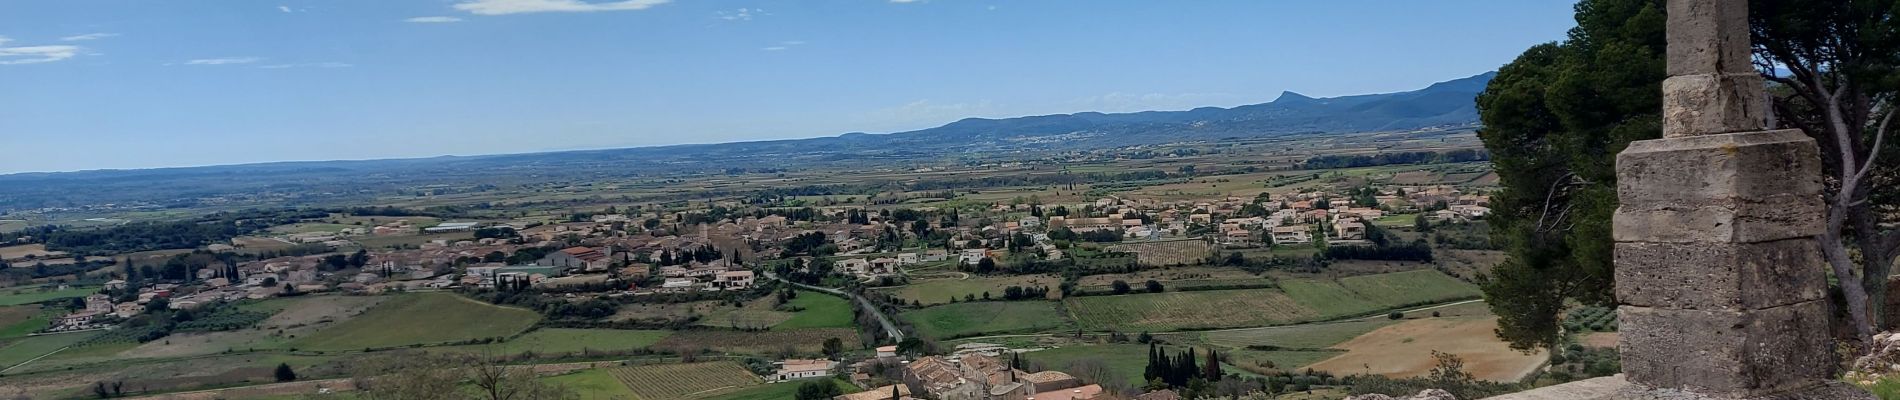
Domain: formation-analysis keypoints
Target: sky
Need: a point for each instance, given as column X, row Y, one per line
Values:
column 94, row 84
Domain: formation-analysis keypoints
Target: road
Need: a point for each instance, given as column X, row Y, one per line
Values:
column 889, row 328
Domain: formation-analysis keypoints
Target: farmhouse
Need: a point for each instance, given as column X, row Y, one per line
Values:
column 733, row 280
column 936, row 255
column 801, row 369
column 879, row 393
column 973, row 256
column 1349, row 230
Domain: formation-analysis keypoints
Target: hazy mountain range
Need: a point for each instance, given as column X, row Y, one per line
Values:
column 1444, row 104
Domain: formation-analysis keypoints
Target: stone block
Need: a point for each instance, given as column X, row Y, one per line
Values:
column 1707, row 36
column 1727, row 354
column 1720, row 276
column 1706, row 104
column 1735, row 187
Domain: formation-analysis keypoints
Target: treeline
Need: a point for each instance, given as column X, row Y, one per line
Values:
column 1035, row 180
column 1414, row 251
column 1414, row 157
column 156, row 235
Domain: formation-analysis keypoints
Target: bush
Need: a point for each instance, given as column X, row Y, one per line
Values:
column 1395, row 315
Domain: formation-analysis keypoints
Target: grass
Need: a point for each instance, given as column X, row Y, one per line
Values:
column 681, row 381
column 19, row 351
column 820, row 311
column 592, row 384
column 426, row 318
column 18, row 321
column 1365, row 294
column 564, row 340
column 36, row 294
column 940, row 291
column 780, row 390
column 1125, row 361
column 1171, row 311
column 983, row 318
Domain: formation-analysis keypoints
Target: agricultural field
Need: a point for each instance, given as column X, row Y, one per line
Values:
column 1175, row 278
column 1173, row 252
column 38, row 293
column 28, row 250
column 564, row 340
column 1360, row 295
column 683, row 381
column 420, row 319
column 25, row 349
column 597, row 383
column 984, row 318
column 380, row 242
column 940, row 291
column 807, row 341
column 1304, row 336
column 1170, row 311
column 17, row 321
column 1404, row 350
column 818, row 310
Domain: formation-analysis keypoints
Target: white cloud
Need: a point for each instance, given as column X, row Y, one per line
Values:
column 433, row 20
column 504, row 7
column 4, row 40
column 35, row 54
column 89, row 36
column 773, row 48
column 793, row 42
column 284, row 9
column 223, row 61
column 743, row 14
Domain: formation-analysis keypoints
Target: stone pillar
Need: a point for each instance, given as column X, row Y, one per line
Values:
column 1723, row 291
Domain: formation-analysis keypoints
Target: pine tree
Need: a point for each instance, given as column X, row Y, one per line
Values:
column 1212, row 369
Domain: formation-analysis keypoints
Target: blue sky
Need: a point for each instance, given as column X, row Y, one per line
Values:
column 88, row 84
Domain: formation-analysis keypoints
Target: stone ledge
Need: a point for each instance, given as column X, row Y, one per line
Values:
column 1617, row 388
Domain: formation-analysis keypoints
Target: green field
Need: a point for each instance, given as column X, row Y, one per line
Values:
column 1170, row 311
column 427, row 318
column 940, row 291
column 779, row 390
column 1124, row 361
column 984, row 318
column 1360, row 295
column 820, row 311
column 34, row 294
column 1297, row 300
column 21, row 350
column 564, row 340
column 18, row 321
column 592, row 384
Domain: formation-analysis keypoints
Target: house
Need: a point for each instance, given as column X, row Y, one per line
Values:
column 886, row 352
column 933, row 255
column 855, row 266
column 883, row 265
column 801, row 369
column 1163, row 394
column 128, row 309
column 1048, row 381
column 907, row 259
column 973, row 256
column 579, row 257
column 115, row 284
column 677, row 283
column 1349, row 230
column 733, row 279
column 78, row 318
column 1291, row 234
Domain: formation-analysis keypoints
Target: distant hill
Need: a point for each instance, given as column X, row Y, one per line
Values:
column 1448, row 104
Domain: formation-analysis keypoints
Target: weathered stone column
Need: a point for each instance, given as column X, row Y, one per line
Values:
column 1723, row 290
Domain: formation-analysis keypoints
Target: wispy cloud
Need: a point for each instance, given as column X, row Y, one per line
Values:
column 433, row 20
column 89, row 36
column 4, row 40
column 35, row 54
column 785, row 45
column 742, row 14
column 504, row 7
column 308, row 65
column 223, row 61
column 285, row 9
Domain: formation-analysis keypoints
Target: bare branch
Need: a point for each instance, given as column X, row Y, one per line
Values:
column 1880, row 137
